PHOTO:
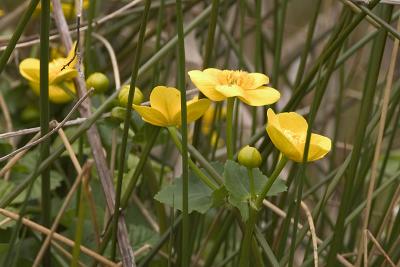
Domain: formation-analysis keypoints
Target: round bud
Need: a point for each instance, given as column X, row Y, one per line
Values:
column 124, row 93
column 249, row 157
column 118, row 113
column 98, row 81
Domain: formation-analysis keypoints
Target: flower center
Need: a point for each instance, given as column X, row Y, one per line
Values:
column 235, row 77
column 295, row 137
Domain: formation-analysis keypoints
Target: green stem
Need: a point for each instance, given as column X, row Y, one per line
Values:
column 122, row 158
column 88, row 38
column 78, row 232
column 252, row 190
column 247, row 238
column 17, row 34
column 44, row 118
column 8, row 198
column 282, row 162
column 192, row 165
column 229, row 129
column 185, row 257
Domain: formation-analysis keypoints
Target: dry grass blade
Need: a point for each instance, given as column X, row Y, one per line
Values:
column 43, row 230
column 55, row 129
column 379, row 140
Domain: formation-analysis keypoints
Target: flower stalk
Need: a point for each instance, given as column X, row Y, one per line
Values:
column 229, row 128
column 44, row 118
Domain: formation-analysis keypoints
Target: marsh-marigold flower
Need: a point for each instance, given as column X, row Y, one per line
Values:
column 288, row 131
column 61, row 72
column 250, row 88
column 165, row 107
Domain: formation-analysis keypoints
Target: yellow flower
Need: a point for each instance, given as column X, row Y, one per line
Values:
column 251, row 88
column 68, row 8
column 288, row 131
column 165, row 107
column 61, row 85
column 1, row 12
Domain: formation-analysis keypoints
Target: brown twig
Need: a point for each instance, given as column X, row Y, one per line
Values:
column 379, row 247
column 126, row 251
column 83, row 172
column 312, row 231
column 379, row 141
column 16, row 158
column 43, row 230
column 55, row 129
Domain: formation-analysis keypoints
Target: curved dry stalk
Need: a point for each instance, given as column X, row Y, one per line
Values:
column 379, row 247
column 17, row 157
column 83, row 172
column 55, row 129
column 81, row 29
column 43, row 230
column 37, row 129
column 379, row 141
column 312, row 231
column 64, row 252
column 92, row 207
column 94, row 140
column 283, row 214
column 145, row 213
column 113, row 58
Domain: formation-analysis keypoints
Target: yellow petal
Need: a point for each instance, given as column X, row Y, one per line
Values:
column 30, row 69
column 57, row 94
column 167, row 100
column 66, row 74
column 230, row 90
column 215, row 73
column 194, row 111
column 261, row 96
column 319, row 147
column 152, row 116
column 283, row 144
column 259, row 80
column 294, row 122
column 206, row 81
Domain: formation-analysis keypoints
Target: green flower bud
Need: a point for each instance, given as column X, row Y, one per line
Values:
column 98, row 81
column 249, row 157
column 124, row 93
column 118, row 113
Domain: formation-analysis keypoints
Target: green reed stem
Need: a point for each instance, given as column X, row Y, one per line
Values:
column 229, row 128
column 121, row 167
column 247, row 238
column 192, row 165
column 45, row 118
column 307, row 46
column 160, row 22
column 78, row 231
column 185, row 257
column 279, row 24
column 207, row 60
column 250, row 224
column 367, row 102
column 7, row 199
column 88, row 38
column 5, row 56
column 281, row 164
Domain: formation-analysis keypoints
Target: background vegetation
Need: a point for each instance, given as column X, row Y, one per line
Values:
column 335, row 62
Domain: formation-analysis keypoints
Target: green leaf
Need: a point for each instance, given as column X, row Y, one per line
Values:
column 237, row 183
column 200, row 195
